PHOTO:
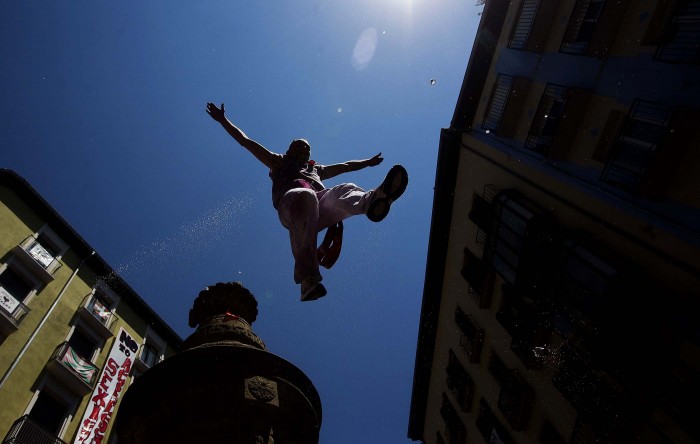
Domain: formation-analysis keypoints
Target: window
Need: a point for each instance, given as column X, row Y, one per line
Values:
column 528, row 326
column 455, row 432
column 481, row 213
column 498, row 102
column 472, row 336
column 523, row 24
column 149, row 355
column 582, row 25
column 593, row 392
column 490, row 428
column 83, row 344
column 505, row 108
column 152, row 351
column 547, row 119
column 645, row 130
column 41, row 253
column 681, row 42
column 515, row 400
column 14, row 289
column 49, row 413
column 587, row 295
column 459, row 382
column 97, row 310
column 549, row 434
column 498, row 369
column 479, row 278
column 42, row 250
column 506, row 244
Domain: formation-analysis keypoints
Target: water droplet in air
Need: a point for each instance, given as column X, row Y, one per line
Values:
column 488, row 131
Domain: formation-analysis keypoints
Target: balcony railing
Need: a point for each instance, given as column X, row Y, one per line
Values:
column 683, row 41
column 34, row 255
column 26, row 431
column 644, row 133
column 74, row 370
column 98, row 314
column 12, row 309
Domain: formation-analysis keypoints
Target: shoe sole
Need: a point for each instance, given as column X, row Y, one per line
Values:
column 317, row 292
column 379, row 209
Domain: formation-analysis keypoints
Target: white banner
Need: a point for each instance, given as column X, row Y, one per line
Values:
column 7, row 301
column 109, row 388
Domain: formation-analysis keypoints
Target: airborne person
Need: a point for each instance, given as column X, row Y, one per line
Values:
column 305, row 206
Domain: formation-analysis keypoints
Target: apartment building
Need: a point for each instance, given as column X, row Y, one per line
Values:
column 73, row 334
column 564, row 255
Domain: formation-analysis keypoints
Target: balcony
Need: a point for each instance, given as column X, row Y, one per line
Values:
column 479, row 278
column 555, row 126
column 593, row 392
column 506, row 105
column 533, row 24
column 645, row 132
column 146, row 358
column 71, row 369
column 460, row 383
column 37, row 257
column 98, row 315
column 682, row 37
column 25, row 431
column 472, row 336
column 12, row 312
column 515, row 400
column 527, row 324
column 593, row 27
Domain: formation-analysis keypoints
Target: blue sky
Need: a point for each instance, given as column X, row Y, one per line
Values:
column 102, row 111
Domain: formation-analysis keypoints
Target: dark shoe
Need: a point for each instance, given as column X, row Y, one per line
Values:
column 312, row 288
column 391, row 189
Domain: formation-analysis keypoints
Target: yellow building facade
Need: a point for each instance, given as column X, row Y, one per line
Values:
column 564, row 256
column 73, row 334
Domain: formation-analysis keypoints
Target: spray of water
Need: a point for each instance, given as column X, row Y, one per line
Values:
column 174, row 252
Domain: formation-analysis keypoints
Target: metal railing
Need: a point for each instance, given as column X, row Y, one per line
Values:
column 26, row 431
column 41, row 256
column 100, row 311
column 79, row 366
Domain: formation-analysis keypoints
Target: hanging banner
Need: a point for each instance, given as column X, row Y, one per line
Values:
column 109, row 388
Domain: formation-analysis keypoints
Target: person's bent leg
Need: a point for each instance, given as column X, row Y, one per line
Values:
column 340, row 202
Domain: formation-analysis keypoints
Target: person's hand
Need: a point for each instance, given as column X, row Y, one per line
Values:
column 216, row 113
column 375, row 160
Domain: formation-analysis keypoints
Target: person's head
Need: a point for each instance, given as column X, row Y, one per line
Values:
column 299, row 150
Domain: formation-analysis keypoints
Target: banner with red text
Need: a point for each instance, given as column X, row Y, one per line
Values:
column 108, row 389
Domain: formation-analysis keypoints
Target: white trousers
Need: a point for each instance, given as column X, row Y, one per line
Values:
column 305, row 212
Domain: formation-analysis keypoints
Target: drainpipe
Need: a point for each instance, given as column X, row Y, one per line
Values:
column 43, row 321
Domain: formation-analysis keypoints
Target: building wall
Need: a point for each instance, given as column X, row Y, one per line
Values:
column 639, row 327
column 19, row 220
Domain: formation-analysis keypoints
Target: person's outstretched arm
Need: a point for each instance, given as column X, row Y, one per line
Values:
column 267, row 157
column 351, row 165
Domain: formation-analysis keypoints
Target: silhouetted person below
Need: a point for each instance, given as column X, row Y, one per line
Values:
column 305, row 206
